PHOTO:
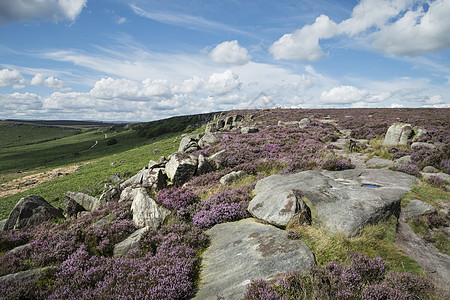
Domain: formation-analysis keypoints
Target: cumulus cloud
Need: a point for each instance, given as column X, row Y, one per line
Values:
column 436, row 99
column 229, row 52
column 19, row 102
column 402, row 27
column 343, row 95
column 50, row 82
column 11, row 77
column 417, row 31
column 54, row 10
column 303, row 44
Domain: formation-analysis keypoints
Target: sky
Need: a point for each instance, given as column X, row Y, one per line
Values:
column 142, row 60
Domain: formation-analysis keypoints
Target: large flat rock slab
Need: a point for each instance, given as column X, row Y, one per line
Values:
column 340, row 201
column 245, row 250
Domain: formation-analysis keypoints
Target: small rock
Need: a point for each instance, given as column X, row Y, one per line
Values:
column 203, row 165
column 304, row 122
column 230, row 177
column 181, row 167
column 417, row 208
column 430, row 169
column 398, row 134
column 130, row 243
column 29, row 183
column 420, row 144
column 249, row 129
column 378, row 162
column 146, row 212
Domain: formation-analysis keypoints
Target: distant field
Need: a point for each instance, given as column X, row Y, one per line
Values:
column 18, row 134
column 54, row 146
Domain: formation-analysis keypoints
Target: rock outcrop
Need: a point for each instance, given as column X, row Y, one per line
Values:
column 232, row 176
column 339, row 201
column 89, row 203
column 181, row 167
column 246, row 250
column 416, row 208
column 398, row 134
column 146, row 212
column 130, row 243
column 31, row 210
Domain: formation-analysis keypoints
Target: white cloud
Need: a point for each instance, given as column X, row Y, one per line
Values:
column 397, row 105
column 400, row 27
column 10, row 104
column 222, row 83
column 343, row 95
column 303, row 44
column 436, row 99
column 50, row 82
column 417, row 31
column 14, row 78
column 54, row 10
column 229, row 52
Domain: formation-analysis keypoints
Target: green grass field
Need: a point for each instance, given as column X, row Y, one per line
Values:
column 93, row 175
column 65, row 150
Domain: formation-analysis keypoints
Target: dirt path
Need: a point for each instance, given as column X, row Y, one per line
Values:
column 25, row 183
column 435, row 264
column 356, row 158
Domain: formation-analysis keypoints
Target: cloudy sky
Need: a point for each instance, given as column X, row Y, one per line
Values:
column 143, row 60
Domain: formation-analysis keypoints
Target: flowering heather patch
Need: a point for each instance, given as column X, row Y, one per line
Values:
column 424, row 156
column 336, row 164
column 53, row 243
column 365, row 278
column 430, row 221
column 11, row 239
column 181, row 200
column 224, row 206
column 410, row 169
column 167, row 272
column 436, row 181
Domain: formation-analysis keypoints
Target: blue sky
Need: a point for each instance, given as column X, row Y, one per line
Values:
column 143, row 60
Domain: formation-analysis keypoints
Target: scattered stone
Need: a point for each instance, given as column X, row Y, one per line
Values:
column 230, row 177
column 404, row 160
column 289, row 123
column 203, row 165
column 146, row 212
column 189, row 143
column 249, row 129
column 57, row 175
column 246, row 250
column 420, row 144
column 89, row 203
column 2, row 224
column 430, row 169
column 419, row 132
column 417, row 208
column 110, row 195
column 216, row 160
column 29, row 183
column 156, row 151
column 130, row 243
column 304, row 122
column 181, row 167
column 31, row 210
column 398, row 134
column 340, row 201
column 207, row 139
column 154, row 179
column 23, row 275
column 115, row 177
column 72, row 208
column 378, row 162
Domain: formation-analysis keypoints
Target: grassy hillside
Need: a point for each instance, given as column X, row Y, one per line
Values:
column 18, row 134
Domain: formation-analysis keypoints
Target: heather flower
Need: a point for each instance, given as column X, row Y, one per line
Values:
column 410, row 169
column 11, row 239
column 336, row 164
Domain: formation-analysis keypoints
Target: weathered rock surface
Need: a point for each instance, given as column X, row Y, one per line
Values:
column 421, row 144
column 2, row 224
column 404, row 160
column 338, row 200
column 398, row 134
column 249, row 129
column 203, row 165
column 72, row 208
column 232, row 176
column 245, row 250
column 181, row 167
column 189, row 143
column 146, row 212
column 31, row 210
column 304, row 122
column 23, row 275
column 110, row 195
column 378, row 162
column 130, row 243
column 417, row 208
column 207, row 139
column 154, row 179
column 216, row 159
column 89, row 203
column 430, row 169
column 275, row 210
